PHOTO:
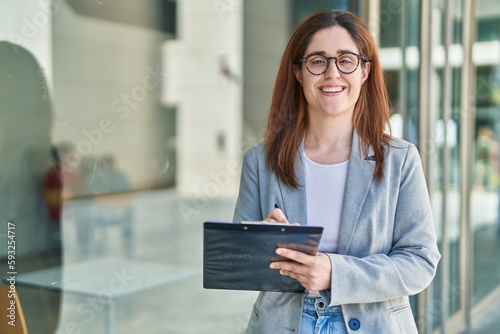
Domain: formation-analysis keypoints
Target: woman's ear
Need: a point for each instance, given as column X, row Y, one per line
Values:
column 298, row 73
column 366, row 71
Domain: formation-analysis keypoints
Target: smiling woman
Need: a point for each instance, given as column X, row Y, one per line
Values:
column 331, row 94
column 289, row 103
column 326, row 161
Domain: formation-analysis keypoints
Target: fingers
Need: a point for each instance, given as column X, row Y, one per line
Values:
column 293, row 255
column 292, row 269
column 289, row 268
column 312, row 271
column 277, row 216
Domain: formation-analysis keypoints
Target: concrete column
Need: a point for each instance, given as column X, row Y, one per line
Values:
column 204, row 84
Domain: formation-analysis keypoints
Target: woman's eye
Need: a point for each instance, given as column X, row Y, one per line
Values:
column 317, row 61
column 345, row 61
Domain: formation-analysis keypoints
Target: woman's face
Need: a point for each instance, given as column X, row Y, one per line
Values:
column 332, row 93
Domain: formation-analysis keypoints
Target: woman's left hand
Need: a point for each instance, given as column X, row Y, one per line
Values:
column 312, row 271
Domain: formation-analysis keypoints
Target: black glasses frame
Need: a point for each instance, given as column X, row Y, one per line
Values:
column 328, row 59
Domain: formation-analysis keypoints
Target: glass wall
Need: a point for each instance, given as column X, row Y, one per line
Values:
column 399, row 35
column 446, row 117
column 485, row 202
column 465, row 199
column 120, row 134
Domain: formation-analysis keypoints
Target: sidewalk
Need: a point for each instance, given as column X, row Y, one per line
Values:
column 168, row 229
column 488, row 322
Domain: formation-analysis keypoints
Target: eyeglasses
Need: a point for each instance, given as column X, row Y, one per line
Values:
column 346, row 62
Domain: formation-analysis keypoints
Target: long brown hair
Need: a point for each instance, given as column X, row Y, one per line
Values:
column 288, row 118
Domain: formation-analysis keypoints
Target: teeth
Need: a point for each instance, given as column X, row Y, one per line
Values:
column 332, row 89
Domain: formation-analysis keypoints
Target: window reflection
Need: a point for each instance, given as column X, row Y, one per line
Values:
column 30, row 183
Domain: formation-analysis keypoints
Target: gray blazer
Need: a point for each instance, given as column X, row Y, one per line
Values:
column 387, row 245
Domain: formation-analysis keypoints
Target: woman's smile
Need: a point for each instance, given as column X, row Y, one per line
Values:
column 332, row 90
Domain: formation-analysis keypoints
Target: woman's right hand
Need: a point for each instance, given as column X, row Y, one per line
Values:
column 277, row 216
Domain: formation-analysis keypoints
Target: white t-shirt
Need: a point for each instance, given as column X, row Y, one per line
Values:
column 325, row 185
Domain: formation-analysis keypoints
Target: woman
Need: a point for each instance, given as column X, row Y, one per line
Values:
column 326, row 161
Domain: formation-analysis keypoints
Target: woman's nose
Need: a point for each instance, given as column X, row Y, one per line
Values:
column 332, row 71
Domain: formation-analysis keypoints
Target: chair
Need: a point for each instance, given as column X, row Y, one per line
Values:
column 111, row 211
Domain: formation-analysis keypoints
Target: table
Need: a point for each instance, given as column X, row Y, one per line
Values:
column 107, row 279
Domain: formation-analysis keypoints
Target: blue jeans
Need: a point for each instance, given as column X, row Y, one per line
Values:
column 317, row 318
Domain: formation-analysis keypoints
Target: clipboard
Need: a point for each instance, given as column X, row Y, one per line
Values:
column 236, row 256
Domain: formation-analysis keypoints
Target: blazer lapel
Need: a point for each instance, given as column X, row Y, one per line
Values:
column 294, row 200
column 359, row 180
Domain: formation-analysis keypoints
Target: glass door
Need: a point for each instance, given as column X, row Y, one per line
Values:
column 485, row 208
column 440, row 148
